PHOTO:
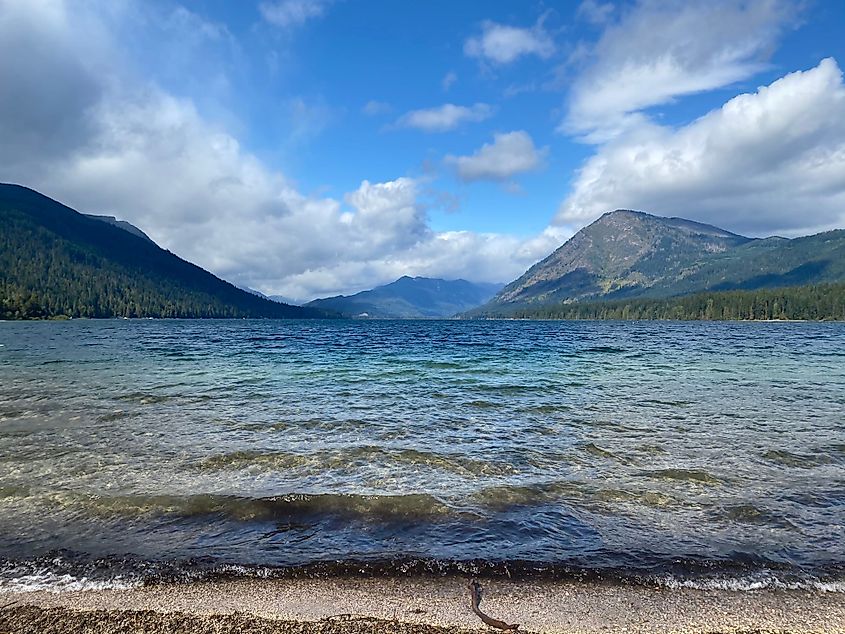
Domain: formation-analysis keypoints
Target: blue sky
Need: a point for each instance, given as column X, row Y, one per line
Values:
column 315, row 147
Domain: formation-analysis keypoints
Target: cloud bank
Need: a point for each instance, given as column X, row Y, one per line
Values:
column 660, row 51
column 81, row 128
column 768, row 161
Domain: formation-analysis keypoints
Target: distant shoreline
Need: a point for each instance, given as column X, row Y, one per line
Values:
column 428, row 605
column 477, row 319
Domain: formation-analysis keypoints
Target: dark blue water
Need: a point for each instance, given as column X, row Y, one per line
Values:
column 709, row 454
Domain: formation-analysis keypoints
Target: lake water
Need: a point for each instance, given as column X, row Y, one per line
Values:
column 703, row 454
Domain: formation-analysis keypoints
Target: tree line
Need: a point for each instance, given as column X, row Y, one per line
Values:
column 812, row 302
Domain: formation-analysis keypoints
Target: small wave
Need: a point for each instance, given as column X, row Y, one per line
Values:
column 605, row 349
column 284, row 507
column 112, row 416
column 503, row 498
column 751, row 514
column 548, row 409
column 597, row 451
column 143, row 398
column 659, row 403
column 279, row 460
column 791, row 459
column 481, row 404
column 684, row 475
column 442, row 365
column 12, row 414
column 504, row 389
column 500, row 498
column 646, row 498
column 354, row 457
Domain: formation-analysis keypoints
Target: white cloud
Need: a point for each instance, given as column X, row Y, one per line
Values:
column 772, row 161
column 450, row 255
column 444, row 118
column 503, row 44
column 450, row 78
column 510, row 153
column 662, row 50
column 373, row 108
column 594, row 11
column 82, row 129
column 292, row 13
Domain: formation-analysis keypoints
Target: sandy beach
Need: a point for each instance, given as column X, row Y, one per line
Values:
column 417, row 605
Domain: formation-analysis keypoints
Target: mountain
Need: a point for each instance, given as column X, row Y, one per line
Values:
column 273, row 298
column 285, row 300
column 252, row 291
column 135, row 231
column 411, row 298
column 57, row 262
column 631, row 254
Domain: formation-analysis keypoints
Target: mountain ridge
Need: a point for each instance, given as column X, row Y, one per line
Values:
column 633, row 254
column 122, row 224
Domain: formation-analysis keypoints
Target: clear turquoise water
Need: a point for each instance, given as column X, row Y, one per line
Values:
column 653, row 452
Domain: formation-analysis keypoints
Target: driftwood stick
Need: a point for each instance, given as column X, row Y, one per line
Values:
column 475, row 594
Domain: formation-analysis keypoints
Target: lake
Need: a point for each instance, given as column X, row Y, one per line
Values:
column 678, row 454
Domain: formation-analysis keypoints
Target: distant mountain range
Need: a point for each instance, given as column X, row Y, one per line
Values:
column 56, row 262
column 411, row 298
column 631, row 254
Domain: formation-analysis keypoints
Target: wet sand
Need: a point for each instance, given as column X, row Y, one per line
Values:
column 416, row 606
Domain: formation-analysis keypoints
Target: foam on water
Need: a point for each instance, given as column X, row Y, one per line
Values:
column 51, row 577
column 49, row 582
column 748, row 584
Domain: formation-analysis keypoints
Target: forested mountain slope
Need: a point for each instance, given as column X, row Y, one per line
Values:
column 57, row 262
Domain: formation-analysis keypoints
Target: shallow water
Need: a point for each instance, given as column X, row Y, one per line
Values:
column 709, row 454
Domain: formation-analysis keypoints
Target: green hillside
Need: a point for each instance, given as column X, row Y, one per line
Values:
column 626, row 255
column 55, row 262
column 768, row 263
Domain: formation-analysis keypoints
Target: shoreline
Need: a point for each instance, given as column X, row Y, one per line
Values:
column 823, row 320
column 417, row 605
